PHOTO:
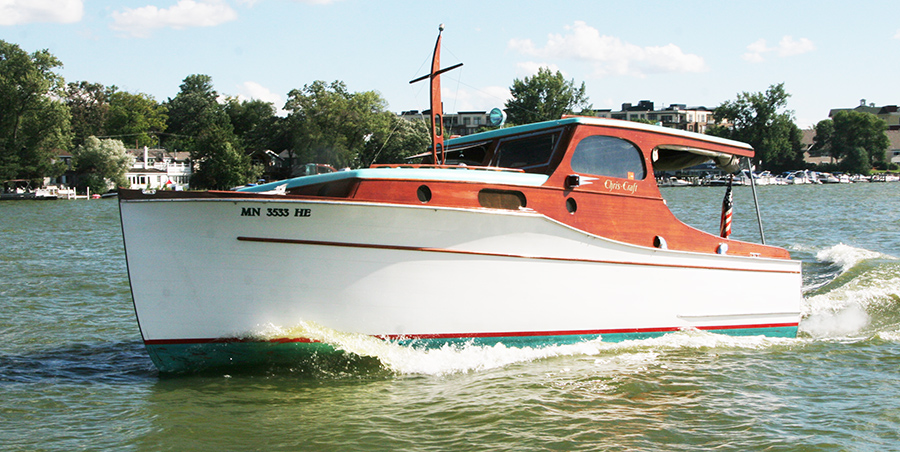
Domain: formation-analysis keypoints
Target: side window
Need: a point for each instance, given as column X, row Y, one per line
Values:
column 528, row 152
column 608, row 156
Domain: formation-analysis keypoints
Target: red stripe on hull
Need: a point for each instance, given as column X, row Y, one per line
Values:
column 481, row 253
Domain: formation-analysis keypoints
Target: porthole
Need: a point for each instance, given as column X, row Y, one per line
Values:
column 660, row 242
column 424, row 193
column 571, row 205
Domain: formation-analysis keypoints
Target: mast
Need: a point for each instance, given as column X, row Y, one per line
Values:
column 437, row 106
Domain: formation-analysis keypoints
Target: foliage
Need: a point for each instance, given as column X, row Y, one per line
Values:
column 822, row 140
column 221, row 165
column 403, row 139
column 89, row 106
column 101, row 164
column 194, row 111
column 137, row 118
column 760, row 120
column 255, row 123
column 330, row 125
column 34, row 125
column 201, row 125
column 857, row 139
column 544, row 97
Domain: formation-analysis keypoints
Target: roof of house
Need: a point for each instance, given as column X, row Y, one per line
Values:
column 158, row 154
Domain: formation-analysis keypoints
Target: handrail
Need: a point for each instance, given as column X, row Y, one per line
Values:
column 457, row 167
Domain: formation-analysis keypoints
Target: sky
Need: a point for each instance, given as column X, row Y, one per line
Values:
column 828, row 54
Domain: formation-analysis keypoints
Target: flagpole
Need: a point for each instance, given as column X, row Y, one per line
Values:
column 762, row 235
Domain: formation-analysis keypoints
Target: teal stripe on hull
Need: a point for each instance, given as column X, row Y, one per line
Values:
column 198, row 357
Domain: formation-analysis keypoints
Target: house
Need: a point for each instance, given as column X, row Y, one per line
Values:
column 814, row 155
column 159, row 168
column 889, row 113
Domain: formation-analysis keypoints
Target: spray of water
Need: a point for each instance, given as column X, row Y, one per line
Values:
column 858, row 297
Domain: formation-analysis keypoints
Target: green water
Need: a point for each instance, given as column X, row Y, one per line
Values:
column 74, row 374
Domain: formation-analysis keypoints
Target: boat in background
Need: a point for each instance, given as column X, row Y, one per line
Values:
column 538, row 234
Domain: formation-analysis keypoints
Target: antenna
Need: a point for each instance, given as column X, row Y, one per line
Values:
column 437, row 106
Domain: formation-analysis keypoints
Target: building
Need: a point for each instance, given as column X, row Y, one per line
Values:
column 889, row 113
column 159, row 168
column 893, row 152
column 817, row 156
column 462, row 123
column 675, row 116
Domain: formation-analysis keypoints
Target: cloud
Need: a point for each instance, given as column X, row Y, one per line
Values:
column 897, row 36
column 610, row 55
column 530, row 68
column 250, row 3
column 185, row 14
column 18, row 12
column 475, row 99
column 788, row 46
column 253, row 90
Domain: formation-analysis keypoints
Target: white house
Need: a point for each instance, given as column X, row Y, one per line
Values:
column 159, row 168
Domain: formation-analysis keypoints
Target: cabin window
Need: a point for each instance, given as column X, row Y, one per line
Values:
column 609, row 156
column 530, row 152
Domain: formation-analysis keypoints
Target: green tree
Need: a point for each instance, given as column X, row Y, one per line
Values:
column 760, row 119
column 822, row 140
column 858, row 140
column 328, row 124
column 89, row 105
column 393, row 144
column 255, row 124
column 101, row 164
column 34, row 123
column 221, row 166
column 544, row 97
column 136, row 118
column 195, row 110
column 201, row 126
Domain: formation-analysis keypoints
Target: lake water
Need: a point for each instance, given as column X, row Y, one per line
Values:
column 74, row 374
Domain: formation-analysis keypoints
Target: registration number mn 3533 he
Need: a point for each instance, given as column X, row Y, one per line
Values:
column 275, row 212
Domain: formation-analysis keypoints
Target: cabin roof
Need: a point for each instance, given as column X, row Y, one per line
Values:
column 741, row 148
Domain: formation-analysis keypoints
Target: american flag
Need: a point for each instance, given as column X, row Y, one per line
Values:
column 727, row 208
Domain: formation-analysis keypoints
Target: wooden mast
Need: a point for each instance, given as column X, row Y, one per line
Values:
column 437, row 107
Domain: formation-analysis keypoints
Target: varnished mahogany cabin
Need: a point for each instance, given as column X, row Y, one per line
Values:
column 600, row 180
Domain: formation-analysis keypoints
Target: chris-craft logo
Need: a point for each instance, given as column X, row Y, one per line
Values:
column 613, row 185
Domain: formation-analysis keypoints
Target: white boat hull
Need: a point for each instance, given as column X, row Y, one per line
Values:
column 232, row 272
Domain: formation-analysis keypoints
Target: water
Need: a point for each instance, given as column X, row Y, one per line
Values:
column 74, row 374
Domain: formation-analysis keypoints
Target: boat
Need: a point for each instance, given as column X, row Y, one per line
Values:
column 532, row 235
column 18, row 189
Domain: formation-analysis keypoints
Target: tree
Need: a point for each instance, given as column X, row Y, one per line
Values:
column 254, row 123
column 195, row 110
column 202, row 127
column 544, row 97
column 330, row 125
column 101, row 164
column 34, row 123
column 136, row 118
column 392, row 145
column 858, row 140
column 221, row 166
column 760, row 120
column 822, row 140
column 89, row 106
